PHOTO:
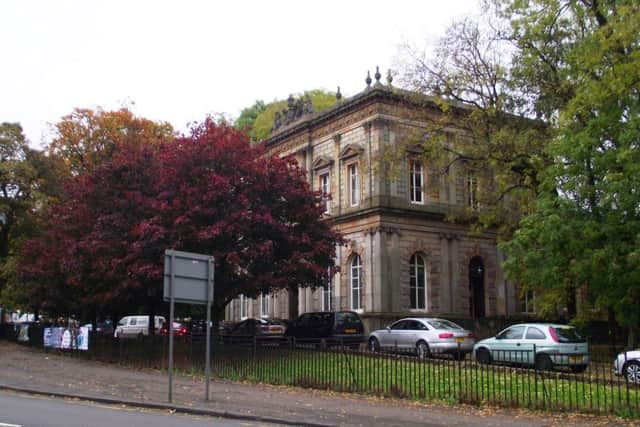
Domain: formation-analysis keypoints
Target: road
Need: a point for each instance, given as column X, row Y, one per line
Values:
column 30, row 411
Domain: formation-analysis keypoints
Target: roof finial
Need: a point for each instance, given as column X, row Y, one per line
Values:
column 368, row 79
column 389, row 77
column 377, row 75
column 338, row 94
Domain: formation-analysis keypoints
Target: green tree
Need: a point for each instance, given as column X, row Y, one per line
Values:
column 477, row 124
column 247, row 118
column 263, row 122
column 29, row 182
column 581, row 59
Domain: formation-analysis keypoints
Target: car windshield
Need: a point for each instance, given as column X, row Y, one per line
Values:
column 568, row 335
column 443, row 324
column 347, row 319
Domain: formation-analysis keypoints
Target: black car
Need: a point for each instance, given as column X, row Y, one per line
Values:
column 197, row 329
column 327, row 327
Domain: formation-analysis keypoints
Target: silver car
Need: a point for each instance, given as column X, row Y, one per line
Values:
column 424, row 336
column 628, row 364
column 543, row 345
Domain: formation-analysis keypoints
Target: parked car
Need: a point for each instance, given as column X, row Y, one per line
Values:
column 225, row 326
column 328, row 327
column 423, row 335
column 543, row 345
column 197, row 329
column 102, row 328
column 136, row 326
column 262, row 330
column 628, row 364
column 179, row 329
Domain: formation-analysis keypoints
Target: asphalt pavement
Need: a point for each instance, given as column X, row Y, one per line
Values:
column 34, row 371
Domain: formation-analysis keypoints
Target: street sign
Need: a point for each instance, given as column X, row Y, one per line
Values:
column 188, row 279
column 189, row 276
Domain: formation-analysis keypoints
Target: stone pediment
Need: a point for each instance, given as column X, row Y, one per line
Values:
column 322, row 162
column 351, row 150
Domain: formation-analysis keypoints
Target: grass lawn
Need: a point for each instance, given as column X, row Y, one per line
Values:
column 596, row 390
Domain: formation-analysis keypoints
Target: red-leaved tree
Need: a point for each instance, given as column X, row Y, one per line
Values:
column 210, row 193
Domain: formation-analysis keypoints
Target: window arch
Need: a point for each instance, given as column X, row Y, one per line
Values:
column 355, row 282
column 417, row 282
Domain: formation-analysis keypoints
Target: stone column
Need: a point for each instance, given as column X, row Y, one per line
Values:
column 395, row 297
column 337, row 199
column 378, row 256
column 446, row 300
column 337, row 280
column 457, row 303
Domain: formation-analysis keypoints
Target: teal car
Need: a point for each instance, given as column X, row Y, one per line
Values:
column 541, row 345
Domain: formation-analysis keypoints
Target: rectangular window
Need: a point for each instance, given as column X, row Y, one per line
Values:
column 326, row 297
column 416, row 184
column 354, row 194
column 529, row 303
column 325, row 189
column 244, row 307
column 472, row 192
column 264, row 305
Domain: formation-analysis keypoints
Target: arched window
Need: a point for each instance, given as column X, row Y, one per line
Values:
column 355, row 282
column 417, row 282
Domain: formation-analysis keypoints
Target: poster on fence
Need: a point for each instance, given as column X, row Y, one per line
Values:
column 67, row 338
column 23, row 333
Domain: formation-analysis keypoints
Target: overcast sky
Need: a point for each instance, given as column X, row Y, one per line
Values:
column 181, row 60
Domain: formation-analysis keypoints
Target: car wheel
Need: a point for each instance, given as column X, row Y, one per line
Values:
column 578, row 369
column 543, row 362
column 374, row 345
column 483, row 356
column 422, row 349
column 632, row 371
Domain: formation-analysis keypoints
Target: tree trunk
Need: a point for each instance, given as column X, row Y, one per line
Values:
column 632, row 337
column 152, row 316
column 612, row 329
column 293, row 302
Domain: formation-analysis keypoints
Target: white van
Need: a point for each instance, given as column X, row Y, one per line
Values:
column 136, row 326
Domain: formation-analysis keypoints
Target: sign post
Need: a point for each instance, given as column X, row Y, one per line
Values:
column 188, row 279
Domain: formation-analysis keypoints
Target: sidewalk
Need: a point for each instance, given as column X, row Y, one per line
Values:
column 33, row 371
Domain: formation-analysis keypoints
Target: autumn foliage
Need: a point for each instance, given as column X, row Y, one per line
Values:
column 209, row 192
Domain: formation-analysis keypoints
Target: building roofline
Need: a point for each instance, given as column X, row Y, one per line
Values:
column 376, row 92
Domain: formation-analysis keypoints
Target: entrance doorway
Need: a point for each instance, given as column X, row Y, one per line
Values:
column 476, row 287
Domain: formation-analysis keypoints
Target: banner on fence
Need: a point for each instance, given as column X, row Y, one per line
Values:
column 22, row 332
column 67, row 338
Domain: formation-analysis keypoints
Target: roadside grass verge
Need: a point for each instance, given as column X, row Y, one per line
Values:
column 443, row 379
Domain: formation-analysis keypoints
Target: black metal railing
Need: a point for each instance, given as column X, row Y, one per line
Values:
column 510, row 378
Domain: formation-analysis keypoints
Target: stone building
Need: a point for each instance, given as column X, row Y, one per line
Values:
column 402, row 257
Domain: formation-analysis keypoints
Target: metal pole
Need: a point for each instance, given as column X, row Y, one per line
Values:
column 171, row 278
column 207, row 369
